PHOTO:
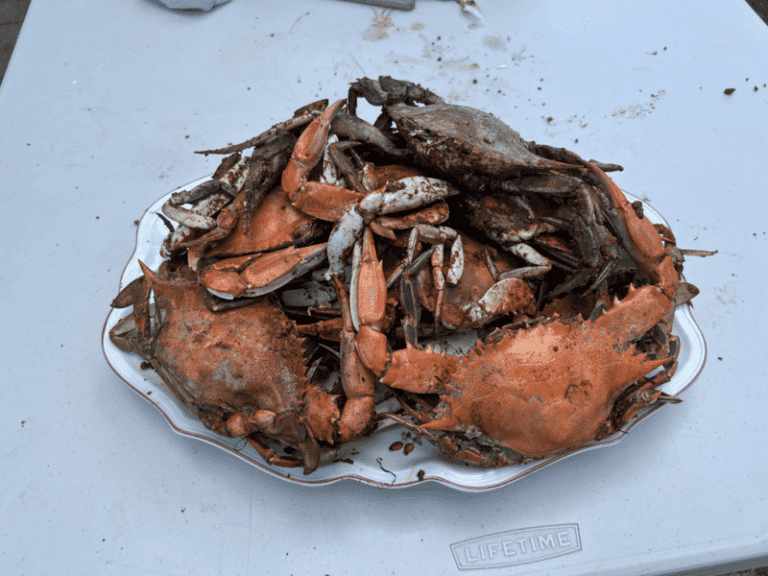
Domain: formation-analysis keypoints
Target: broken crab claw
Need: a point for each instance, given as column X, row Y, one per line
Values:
column 536, row 392
column 241, row 372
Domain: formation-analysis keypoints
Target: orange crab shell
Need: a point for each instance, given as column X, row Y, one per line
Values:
column 541, row 390
column 241, row 361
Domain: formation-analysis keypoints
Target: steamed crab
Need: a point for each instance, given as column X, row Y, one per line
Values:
column 458, row 140
column 365, row 354
column 241, row 372
column 568, row 368
column 537, row 391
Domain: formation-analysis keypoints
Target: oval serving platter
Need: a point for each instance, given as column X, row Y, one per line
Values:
column 369, row 459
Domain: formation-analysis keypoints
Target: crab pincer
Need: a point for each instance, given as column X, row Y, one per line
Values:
column 364, row 353
column 258, row 274
column 309, row 149
column 357, row 379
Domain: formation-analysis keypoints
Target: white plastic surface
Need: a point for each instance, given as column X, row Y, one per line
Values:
column 101, row 109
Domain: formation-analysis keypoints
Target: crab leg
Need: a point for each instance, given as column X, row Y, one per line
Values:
column 342, row 238
column 553, row 183
column 307, row 295
column 357, row 380
column 134, row 332
column 335, row 153
column 291, row 429
column 438, row 279
column 271, row 457
column 357, row 263
column 432, row 215
column 354, row 128
column 304, row 118
column 330, row 173
column 183, row 234
column 225, row 223
column 326, row 329
column 539, row 265
column 438, row 236
column 409, row 299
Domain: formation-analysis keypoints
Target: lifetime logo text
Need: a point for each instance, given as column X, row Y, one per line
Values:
column 516, row 547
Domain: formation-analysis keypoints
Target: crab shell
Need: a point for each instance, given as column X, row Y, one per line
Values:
column 541, row 390
column 239, row 370
column 457, row 139
column 454, row 139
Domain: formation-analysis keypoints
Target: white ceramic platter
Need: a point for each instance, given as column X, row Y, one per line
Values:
column 368, row 460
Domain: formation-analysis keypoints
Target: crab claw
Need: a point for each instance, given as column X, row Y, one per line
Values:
column 256, row 275
column 357, row 379
column 309, row 150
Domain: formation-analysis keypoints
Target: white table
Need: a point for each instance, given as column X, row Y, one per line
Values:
column 100, row 110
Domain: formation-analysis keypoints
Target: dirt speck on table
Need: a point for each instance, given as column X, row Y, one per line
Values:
column 495, row 43
column 378, row 28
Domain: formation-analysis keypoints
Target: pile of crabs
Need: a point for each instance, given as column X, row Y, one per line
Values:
column 502, row 298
